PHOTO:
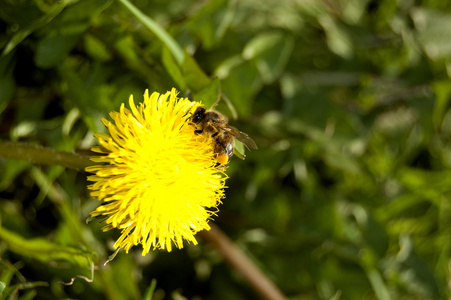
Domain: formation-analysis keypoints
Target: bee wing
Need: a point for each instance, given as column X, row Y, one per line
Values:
column 241, row 136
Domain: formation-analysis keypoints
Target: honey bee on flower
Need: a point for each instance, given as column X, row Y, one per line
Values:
column 215, row 124
column 158, row 180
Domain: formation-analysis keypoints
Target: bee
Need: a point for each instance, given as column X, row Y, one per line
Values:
column 216, row 125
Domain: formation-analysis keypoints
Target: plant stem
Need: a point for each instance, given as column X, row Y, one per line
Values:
column 41, row 155
column 241, row 263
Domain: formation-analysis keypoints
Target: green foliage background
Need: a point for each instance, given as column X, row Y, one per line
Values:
column 348, row 196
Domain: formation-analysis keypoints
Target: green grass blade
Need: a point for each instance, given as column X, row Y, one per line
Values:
column 153, row 26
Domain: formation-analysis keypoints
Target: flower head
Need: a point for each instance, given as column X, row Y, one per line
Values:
column 157, row 178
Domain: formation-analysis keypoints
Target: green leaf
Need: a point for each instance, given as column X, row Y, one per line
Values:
column 443, row 92
column 66, row 31
column 81, row 96
column 271, row 52
column 28, row 295
column 227, row 66
column 53, row 49
column 209, row 95
column 11, row 292
column 75, row 18
column 69, row 121
column 378, row 284
column 414, row 273
column 173, row 68
column 211, row 21
column 338, row 39
column 150, row 291
column 433, row 31
column 96, row 48
column 195, row 77
column 21, row 13
column 240, row 86
column 154, row 27
column 7, row 83
column 10, row 169
column 239, row 150
column 127, row 289
column 51, row 13
column 45, row 251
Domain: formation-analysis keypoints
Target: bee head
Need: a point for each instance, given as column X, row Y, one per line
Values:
column 198, row 115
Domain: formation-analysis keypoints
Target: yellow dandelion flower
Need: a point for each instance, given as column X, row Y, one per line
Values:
column 157, row 178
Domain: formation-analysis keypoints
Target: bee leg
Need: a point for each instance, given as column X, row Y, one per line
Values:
column 219, row 166
column 198, row 131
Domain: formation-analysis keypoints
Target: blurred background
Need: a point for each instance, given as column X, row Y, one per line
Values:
column 348, row 196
